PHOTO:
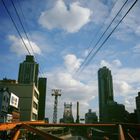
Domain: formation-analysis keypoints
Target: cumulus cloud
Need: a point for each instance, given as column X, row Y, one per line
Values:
column 104, row 63
column 72, row 62
column 69, row 19
column 100, row 10
column 129, row 102
column 122, row 88
column 73, row 90
column 115, row 63
column 85, row 88
column 18, row 47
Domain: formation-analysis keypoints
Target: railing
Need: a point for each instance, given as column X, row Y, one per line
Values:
column 15, row 129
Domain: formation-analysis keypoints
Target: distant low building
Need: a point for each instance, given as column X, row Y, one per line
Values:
column 90, row 117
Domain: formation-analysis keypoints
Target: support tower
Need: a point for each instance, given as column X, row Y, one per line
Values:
column 55, row 93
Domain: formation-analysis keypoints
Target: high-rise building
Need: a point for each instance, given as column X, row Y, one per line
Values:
column 28, row 71
column 109, row 110
column 105, row 86
column 138, row 107
column 42, row 97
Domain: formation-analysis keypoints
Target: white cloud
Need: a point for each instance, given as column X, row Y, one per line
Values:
column 100, row 10
column 85, row 87
column 115, row 63
column 131, row 75
column 19, row 48
column 129, row 102
column 104, row 63
column 72, row 62
column 122, row 88
column 73, row 90
column 60, row 16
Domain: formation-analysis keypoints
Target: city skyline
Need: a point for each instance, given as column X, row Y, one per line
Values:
column 60, row 47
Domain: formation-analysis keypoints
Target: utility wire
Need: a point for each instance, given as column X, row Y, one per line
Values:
column 17, row 13
column 111, row 33
column 16, row 27
column 98, row 31
column 101, row 37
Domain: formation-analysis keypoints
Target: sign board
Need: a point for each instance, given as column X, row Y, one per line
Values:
column 14, row 100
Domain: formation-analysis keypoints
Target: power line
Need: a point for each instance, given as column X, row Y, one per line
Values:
column 98, row 31
column 111, row 33
column 101, row 37
column 16, row 27
column 17, row 13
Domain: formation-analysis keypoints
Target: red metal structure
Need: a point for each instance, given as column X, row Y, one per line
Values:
column 31, row 127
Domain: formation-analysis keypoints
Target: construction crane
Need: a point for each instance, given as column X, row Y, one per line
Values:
column 55, row 93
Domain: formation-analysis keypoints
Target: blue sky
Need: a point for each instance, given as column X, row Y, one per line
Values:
column 60, row 33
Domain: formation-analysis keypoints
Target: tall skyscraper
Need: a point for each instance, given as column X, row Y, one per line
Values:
column 42, row 97
column 138, row 107
column 105, row 86
column 28, row 71
column 109, row 110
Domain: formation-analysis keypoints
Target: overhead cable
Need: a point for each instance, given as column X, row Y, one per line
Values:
column 16, row 27
column 101, row 37
column 110, row 33
column 22, row 25
column 17, row 13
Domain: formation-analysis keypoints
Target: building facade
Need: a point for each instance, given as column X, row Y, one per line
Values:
column 28, row 71
column 42, row 98
column 4, row 103
column 28, row 99
column 67, row 115
column 28, row 91
column 109, row 110
column 90, row 117
column 105, row 87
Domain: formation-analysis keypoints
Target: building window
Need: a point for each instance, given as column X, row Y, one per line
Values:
column 36, row 95
column 34, row 116
column 35, row 105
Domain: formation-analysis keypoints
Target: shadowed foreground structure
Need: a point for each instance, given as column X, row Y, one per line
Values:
column 34, row 130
